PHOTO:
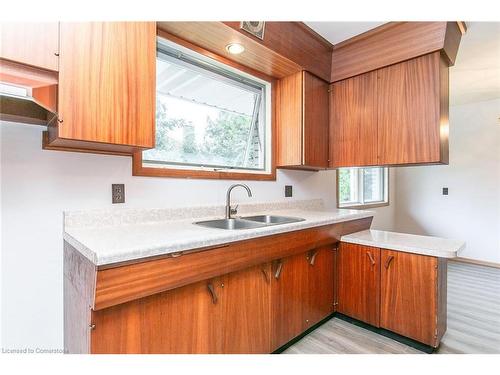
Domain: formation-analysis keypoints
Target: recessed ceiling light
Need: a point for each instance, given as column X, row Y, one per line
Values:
column 235, row 48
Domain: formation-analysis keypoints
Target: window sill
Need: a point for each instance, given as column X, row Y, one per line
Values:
column 364, row 206
column 138, row 169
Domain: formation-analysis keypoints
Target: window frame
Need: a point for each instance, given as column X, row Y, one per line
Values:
column 365, row 205
column 138, row 169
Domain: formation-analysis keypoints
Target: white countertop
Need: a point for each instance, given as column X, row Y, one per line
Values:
column 410, row 243
column 117, row 243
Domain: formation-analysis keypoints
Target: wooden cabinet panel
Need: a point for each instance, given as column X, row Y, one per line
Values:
column 246, row 311
column 409, row 293
column 359, row 282
column 302, row 293
column 107, row 85
column 320, row 285
column 353, row 121
column 289, row 291
column 31, row 43
column 302, row 126
column 183, row 320
column 315, row 121
column 410, row 125
column 289, row 122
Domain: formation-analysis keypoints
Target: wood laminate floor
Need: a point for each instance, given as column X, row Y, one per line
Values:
column 473, row 321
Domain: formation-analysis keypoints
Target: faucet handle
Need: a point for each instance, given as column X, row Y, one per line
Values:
column 234, row 210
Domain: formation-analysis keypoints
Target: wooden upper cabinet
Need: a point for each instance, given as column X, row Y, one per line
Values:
column 410, row 303
column 392, row 116
column 353, row 119
column 413, row 111
column 358, row 270
column 302, row 138
column 107, row 88
column 31, row 43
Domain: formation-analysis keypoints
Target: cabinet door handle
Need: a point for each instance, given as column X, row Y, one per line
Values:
column 266, row 276
column 278, row 270
column 211, row 289
column 311, row 257
column 371, row 257
column 388, row 261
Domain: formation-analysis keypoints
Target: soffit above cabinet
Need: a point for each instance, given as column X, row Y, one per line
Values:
column 287, row 47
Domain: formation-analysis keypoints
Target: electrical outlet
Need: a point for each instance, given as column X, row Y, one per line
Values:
column 118, row 193
column 288, row 191
column 445, row 191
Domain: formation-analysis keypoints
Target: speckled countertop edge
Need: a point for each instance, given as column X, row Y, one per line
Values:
column 108, row 245
column 416, row 244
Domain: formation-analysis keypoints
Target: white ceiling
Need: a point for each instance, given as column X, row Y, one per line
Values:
column 476, row 74
column 336, row 32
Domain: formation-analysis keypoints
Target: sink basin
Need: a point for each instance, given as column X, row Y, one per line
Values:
column 231, row 224
column 272, row 220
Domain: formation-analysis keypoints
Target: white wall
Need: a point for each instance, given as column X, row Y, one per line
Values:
column 471, row 211
column 38, row 185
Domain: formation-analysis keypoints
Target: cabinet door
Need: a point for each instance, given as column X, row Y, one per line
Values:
column 183, row 320
column 409, row 120
column 353, row 121
column 320, row 285
column 289, row 295
column 359, row 282
column 409, row 295
column 315, row 113
column 246, row 311
column 31, row 43
column 107, row 83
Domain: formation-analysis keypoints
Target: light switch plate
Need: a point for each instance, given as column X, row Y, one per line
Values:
column 445, row 191
column 288, row 191
column 118, row 193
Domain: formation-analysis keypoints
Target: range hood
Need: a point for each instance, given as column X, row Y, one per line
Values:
column 24, row 109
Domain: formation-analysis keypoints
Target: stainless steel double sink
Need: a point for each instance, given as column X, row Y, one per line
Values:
column 249, row 222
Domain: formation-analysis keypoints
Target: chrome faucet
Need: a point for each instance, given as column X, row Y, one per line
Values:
column 233, row 211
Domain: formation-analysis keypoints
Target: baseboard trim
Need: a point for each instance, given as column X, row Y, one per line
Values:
column 303, row 334
column 476, row 262
column 381, row 331
column 394, row 336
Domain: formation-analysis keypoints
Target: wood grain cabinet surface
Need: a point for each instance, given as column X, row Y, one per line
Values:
column 227, row 314
column 413, row 297
column 302, row 293
column 358, row 278
column 397, row 115
column 353, row 119
column 107, row 92
column 402, row 292
column 182, row 320
column 31, row 43
column 302, row 124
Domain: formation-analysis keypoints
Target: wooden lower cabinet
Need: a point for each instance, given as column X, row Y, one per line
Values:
column 183, row 320
column 359, row 282
column 320, row 285
column 402, row 292
column 227, row 314
column 245, row 300
column 412, row 292
column 302, row 293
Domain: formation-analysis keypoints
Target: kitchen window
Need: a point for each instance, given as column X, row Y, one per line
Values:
column 210, row 117
column 362, row 187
